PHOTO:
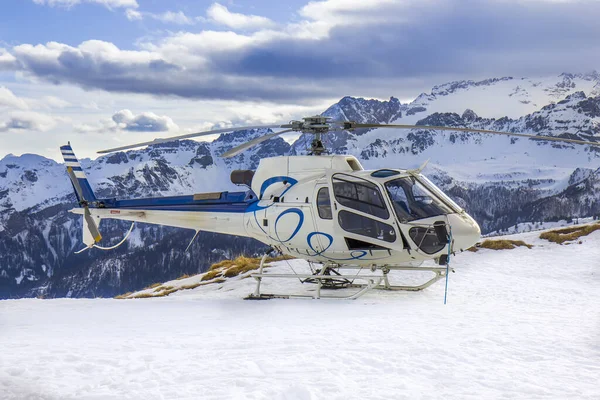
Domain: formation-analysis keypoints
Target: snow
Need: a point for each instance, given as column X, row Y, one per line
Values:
column 48, row 183
column 519, row 324
column 504, row 97
column 538, row 226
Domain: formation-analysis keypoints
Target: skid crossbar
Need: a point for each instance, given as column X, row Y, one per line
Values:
column 322, row 278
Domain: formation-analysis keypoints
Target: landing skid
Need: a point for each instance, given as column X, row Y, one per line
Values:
column 329, row 277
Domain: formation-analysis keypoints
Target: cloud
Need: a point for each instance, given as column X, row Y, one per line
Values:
column 221, row 15
column 178, row 18
column 126, row 121
column 7, row 60
column 9, row 100
column 168, row 17
column 110, row 4
column 133, row 15
column 337, row 47
column 55, row 102
column 144, row 122
column 27, row 121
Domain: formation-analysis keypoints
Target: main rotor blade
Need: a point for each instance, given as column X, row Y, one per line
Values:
column 238, row 149
column 189, row 135
column 447, row 128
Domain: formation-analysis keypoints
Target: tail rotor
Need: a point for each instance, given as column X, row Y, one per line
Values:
column 85, row 196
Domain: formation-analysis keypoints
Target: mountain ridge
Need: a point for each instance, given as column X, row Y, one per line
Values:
column 501, row 181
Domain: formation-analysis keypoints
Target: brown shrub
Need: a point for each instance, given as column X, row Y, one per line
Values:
column 153, row 285
column 571, row 233
column 237, row 270
column 142, row 296
column 211, row 274
column 221, row 264
column 279, row 258
column 215, row 274
column 503, row 244
column 161, row 288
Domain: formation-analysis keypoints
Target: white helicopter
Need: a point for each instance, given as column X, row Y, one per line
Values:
column 323, row 208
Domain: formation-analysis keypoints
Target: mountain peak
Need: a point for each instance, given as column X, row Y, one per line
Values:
column 469, row 115
column 366, row 110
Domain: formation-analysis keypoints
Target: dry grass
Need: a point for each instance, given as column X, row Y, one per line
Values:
column 221, row 264
column 241, row 265
column 279, row 258
column 568, row 234
column 211, row 275
column 142, row 296
column 503, row 244
column 157, row 284
column 216, row 274
column 167, row 292
column 240, row 269
column 184, row 276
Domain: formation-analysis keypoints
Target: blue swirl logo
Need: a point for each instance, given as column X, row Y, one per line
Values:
column 295, row 211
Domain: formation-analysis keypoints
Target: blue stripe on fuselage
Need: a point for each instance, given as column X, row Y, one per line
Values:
column 236, row 202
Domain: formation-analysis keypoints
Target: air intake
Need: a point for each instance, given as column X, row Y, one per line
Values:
column 242, row 176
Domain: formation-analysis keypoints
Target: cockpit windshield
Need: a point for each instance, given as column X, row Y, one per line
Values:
column 412, row 200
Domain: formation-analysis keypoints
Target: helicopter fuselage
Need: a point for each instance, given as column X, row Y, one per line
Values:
column 324, row 209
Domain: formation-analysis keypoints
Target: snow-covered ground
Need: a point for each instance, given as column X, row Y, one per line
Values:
column 519, row 324
column 539, row 226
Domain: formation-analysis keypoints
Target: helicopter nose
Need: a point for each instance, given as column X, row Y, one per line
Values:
column 465, row 231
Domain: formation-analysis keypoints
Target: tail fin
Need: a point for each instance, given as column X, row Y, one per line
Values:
column 82, row 187
column 85, row 196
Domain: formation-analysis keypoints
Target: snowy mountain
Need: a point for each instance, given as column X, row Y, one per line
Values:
column 501, row 181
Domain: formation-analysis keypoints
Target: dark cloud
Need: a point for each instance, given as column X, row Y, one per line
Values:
column 27, row 121
column 469, row 37
column 364, row 52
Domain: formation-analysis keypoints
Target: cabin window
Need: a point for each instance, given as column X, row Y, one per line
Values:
column 364, row 226
column 359, row 194
column 413, row 201
column 324, row 204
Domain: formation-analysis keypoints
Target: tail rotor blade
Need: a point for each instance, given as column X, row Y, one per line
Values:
column 91, row 225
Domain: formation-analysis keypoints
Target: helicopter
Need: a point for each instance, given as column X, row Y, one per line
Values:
column 324, row 208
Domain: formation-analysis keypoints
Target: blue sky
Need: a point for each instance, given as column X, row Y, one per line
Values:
column 94, row 71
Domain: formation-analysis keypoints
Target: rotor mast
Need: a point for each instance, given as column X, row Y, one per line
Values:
column 316, row 125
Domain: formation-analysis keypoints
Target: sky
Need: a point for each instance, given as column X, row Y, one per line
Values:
column 105, row 73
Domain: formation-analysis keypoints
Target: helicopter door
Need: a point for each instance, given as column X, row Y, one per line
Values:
column 325, row 231
column 360, row 214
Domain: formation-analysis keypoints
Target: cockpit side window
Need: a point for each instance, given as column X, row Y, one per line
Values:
column 412, row 200
column 324, row 204
column 364, row 226
column 359, row 194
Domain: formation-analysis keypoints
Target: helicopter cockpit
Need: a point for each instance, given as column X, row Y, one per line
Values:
column 412, row 200
column 374, row 205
